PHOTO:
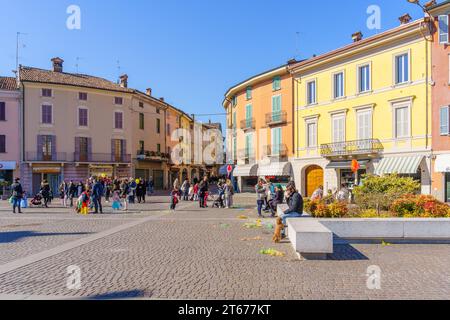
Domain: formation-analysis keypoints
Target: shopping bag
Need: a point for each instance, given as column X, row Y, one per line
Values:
column 11, row 200
column 24, row 203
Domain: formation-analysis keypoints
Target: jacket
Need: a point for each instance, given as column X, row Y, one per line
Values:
column 260, row 192
column 17, row 191
column 295, row 203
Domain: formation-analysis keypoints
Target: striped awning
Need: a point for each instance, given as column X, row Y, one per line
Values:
column 246, row 171
column 276, row 169
column 400, row 165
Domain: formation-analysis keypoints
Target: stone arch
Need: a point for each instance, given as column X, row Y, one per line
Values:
column 313, row 177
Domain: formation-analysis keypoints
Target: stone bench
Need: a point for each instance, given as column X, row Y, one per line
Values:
column 310, row 238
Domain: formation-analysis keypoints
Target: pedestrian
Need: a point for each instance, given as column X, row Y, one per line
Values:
column 125, row 190
column 85, row 200
column 203, row 188
column 343, row 194
column 116, row 200
column 45, row 192
column 317, row 194
column 261, row 192
column 174, row 195
column 97, row 194
column 16, row 194
column 195, row 190
column 185, row 189
column 132, row 193
column 63, row 191
column 151, row 186
column 140, row 191
column 229, row 192
column 72, row 192
column 80, row 188
column 295, row 203
column 176, row 184
column 276, row 200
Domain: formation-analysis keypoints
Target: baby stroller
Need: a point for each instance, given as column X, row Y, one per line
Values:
column 37, row 200
column 218, row 200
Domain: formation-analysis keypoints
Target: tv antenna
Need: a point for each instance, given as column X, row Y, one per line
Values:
column 77, row 64
column 18, row 48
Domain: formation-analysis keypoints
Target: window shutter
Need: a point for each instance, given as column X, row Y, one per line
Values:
column 40, row 145
column 77, row 148
column 113, row 149
column 124, row 147
column 89, row 149
column 2, row 111
column 53, row 140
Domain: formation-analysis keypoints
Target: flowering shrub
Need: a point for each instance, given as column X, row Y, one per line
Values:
column 320, row 209
column 423, row 206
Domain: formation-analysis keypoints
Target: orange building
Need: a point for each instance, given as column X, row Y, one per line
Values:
column 260, row 128
column 441, row 100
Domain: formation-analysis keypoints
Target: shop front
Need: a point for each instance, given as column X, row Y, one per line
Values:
column 441, row 181
column 49, row 173
column 101, row 171
column 247, row 177
column 346, row 177
column 7, row 169
column 278, row 173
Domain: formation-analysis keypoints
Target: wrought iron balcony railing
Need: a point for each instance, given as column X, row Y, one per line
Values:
column 349, row 148
column 151, row 155
column 248, row 124
column 276, row 118
column 280, row 150
column 42, row 157
column 246, row 155
column 101, row 158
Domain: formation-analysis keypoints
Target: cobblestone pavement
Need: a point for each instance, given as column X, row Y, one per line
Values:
column 151, row 252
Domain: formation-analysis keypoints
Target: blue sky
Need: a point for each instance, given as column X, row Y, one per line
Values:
column 188, row 51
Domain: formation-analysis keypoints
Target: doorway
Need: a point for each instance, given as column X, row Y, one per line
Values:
column 313, row 179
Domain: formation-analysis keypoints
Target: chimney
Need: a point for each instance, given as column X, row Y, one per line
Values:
column 57, row 64
column 162, row 99
column 405, row 19
column 357, row 36
column 430, row 4
column 149, row 92
column 292, row 61
column 124, row 81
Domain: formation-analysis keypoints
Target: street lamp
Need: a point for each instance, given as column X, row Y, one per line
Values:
column 417, row 2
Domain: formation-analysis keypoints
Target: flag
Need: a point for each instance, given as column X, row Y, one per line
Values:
column 355, row 166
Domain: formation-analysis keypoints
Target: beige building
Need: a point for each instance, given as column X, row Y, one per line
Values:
column 74, row 126
column 150, row 156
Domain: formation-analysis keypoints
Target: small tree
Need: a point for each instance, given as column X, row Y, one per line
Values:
column 380, row 192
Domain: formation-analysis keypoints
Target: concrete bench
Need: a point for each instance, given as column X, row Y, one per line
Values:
column 310, row 238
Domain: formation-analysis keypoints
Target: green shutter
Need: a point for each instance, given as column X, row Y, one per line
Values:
column 276, row 108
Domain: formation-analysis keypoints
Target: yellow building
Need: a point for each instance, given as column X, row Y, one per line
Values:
column 368, row 101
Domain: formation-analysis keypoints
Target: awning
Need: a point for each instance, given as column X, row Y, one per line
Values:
column 400, row 165
column 346, row 164
column 442, row 163
column 223, row 171
column 246, row 171
column 7, row 165
column 277, row 169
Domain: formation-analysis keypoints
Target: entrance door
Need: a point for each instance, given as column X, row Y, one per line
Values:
column 54, row 180
column 447, row 187
column 36, row 183
column 158, row 179
column 314, row 179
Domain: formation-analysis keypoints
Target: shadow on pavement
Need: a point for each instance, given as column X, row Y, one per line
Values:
column 14, row 236
column 346, row 252
column 132, row 294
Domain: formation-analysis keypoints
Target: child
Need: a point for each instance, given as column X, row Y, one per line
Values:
column 174, row 198
column 206, row 199
column 196, row 192
column 85, row 199
column 116, row 200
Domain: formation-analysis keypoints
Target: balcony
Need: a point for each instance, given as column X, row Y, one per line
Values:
column 41, row 157
column 246, row 155
column 248, row 124
column 276, row 151
column 101, row 158
column 276, row 118
column 145, row 155
column 351, row 148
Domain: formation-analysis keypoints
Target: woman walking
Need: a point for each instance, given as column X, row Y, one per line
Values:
column 124, row 191
column 261, row 192
column 229, row 192
column 45, row 192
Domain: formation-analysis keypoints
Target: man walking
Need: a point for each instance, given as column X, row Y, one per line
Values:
column 203, row 189
column 17, row 194
column 97, row 193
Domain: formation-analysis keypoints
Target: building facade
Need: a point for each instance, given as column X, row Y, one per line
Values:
column 150, row 156
column 9, row 130
column 260, row 128
column 441, row 100
column 73, row 126
column 369, row 101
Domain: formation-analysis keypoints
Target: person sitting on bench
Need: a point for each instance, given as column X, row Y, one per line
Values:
column 295, row 203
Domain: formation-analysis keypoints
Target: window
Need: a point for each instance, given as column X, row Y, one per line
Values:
column 141, row 104
column 2, row 144
column 47, row 142
column 276, row 83
column 83, row 117
column 402, row 68
column 118, row 100
column 311, row 131
column 248, row 115
column 168, row 129
column 83, row 145
column 158, row 148
column 118, row 120
column 234, row 121
column 338, row 123
column 249, row 93
column 46, row 114
column 158, row 126
column 276, row 108
column 364, row 123
column 83, row 96
column 311, row 92
column 234, row 148
column 276, row 141
column 402, row 122
column 443, row 29
column 141, row 121
column 141, row 146
column 47, row 93
column 364, row 84
column 158, row 111
column 445, row 121
column 248, row 145
column 234, row 101
column 338, row 85
column 2, row 111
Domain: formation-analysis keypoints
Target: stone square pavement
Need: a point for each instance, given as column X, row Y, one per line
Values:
column 153, row 253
